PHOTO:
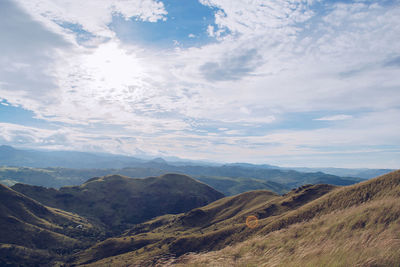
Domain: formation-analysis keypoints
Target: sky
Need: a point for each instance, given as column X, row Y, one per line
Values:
column 287, row 82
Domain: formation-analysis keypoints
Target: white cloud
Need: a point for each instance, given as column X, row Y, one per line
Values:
column 210, row 30
column 335, row 118
column 251, row 17
column 272, row 58
column 93, row 16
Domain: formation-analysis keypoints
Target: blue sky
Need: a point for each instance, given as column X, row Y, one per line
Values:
column 186, row 24
column 286, row 82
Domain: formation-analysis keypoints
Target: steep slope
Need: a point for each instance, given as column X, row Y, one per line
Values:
column 207, row 228
column 118, row 202
column 309, row 226
column 30, row 231
column 352, row 226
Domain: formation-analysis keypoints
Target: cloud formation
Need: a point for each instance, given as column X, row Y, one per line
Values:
column 265, row 60
column 339, row 117
column 241, row 64
column 93, row 16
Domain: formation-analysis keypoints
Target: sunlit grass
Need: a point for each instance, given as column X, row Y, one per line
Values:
column 356, row 225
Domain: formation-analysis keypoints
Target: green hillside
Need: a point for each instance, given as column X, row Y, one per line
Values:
column 117, row 202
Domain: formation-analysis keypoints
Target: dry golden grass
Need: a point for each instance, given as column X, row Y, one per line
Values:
column 355, row 225
column 366, row 235
column 208, row 228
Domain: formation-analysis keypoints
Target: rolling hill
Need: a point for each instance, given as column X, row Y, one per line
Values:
column 117, row 202
column 310, row 226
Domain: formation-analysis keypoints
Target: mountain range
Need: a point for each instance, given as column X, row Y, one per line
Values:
column 13, row 157
column 230, row 179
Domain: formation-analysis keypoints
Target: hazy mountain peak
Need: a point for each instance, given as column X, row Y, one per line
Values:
column 159, row 160
column 6, row 148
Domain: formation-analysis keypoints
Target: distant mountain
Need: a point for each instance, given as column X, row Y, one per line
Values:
column 360, row 173
column 35, row 234
column 10, row 156
column 314, row 225
column 243, row 180
column 287, row 178
column 249, row 165
column 233, row 186
column 58, row 177
column 118, row 202
column 158, row 161
column 229, row 178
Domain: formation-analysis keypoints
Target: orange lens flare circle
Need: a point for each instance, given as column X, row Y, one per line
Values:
column 252, row 221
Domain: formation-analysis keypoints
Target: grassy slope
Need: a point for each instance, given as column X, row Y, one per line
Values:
column 208, row 228
column 312, row 226
column 32, row 231
column 352, row 226
column 119, row 202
